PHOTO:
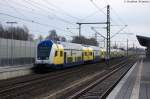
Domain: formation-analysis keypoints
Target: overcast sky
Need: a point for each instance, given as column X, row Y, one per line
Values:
column 63, row 14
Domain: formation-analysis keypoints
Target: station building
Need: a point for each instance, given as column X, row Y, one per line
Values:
column 145, row 41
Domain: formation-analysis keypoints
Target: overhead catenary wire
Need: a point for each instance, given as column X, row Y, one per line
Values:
column 41, row 24
column 106, row 1
column 118, row 32
column 66, row 13
column 22, row 7
column 91, row 14
column 101, row 10
column 14, row 9
column 33, row 3
column 97, row 32
column 98, row 7
column 32, row 21
column 36, row 5
column 59, row 18
column 25, row 9
column 118, row 16
column 32, row 11
column 105, row 13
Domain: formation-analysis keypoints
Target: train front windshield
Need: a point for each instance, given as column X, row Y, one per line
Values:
column 43, row 52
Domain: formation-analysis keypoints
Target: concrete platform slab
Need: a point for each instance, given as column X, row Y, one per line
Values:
column 135, row 84
column 15, row 71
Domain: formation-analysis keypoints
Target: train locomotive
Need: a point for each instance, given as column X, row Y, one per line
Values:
column 64, row 54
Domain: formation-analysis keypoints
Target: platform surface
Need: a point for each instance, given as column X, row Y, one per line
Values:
column 15, row 68
column 135, row 84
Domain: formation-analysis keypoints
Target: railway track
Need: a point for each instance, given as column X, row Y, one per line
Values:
column 102, row 86
column 38, row 84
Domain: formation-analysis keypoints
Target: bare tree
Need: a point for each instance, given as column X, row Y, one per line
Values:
column 53, row 35
column 84, row 40
column 63, row 39
column 18, row 33
column 77, row 39
column 1, row 30
column 30, row 37
column 40, row 38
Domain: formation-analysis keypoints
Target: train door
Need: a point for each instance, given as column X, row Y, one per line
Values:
column 65, row 57
column 85, row 55
column 82, row 56
column 94, row 56
column 59, row 56
column 90, row 54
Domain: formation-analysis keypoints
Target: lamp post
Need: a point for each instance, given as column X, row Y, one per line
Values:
column 127, row 46
column 11, row 24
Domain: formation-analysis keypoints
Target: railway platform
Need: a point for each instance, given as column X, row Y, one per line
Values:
column 7, row 72
column 135, row 84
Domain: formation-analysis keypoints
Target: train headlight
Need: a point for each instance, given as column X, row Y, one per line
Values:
column 47, row 58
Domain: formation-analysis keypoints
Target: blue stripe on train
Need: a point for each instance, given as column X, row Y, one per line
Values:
column 73, row 64
column 53, row 66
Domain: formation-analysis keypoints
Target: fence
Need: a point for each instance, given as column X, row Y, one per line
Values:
column 17, row 52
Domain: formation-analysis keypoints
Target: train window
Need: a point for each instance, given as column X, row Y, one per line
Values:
column 61, row 53
column 96, row 52
column 91, row 53
column 56, row 53
column 85, row 53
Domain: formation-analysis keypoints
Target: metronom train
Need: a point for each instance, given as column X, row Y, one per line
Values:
column 64, row 54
